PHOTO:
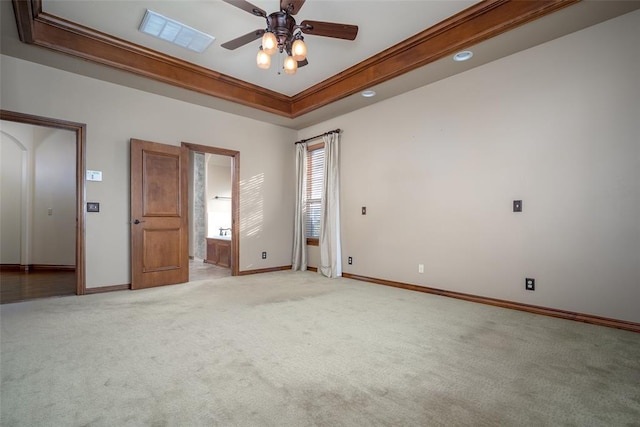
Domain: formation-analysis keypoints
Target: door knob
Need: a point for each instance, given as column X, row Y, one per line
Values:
column 137, row 221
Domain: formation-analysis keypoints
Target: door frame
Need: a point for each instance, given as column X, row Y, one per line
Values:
column 80, row 130
column 235, row 196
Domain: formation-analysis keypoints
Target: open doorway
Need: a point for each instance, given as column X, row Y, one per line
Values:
column 213, row 212
column 42, row 207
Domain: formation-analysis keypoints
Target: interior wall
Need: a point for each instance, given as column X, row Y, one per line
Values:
column 38, row 195
column 114, row 114
column 54, row 202
column 12, row 153
column 218, row 194
column 438, row 169
column 198, row 211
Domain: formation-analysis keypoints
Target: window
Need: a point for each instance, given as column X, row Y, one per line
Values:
column 315, row 178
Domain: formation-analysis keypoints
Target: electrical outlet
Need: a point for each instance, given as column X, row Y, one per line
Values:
column 264, row 255
column 517, row 205
column 530, row 284
column 350, row 260
column 420, row 268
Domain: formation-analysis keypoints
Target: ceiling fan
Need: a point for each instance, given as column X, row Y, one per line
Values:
column 284, row 35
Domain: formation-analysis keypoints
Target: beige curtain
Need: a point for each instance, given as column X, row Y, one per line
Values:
column 299, row 260
column 330, row 248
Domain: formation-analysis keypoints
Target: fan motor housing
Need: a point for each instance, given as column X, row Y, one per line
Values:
column 281, row 24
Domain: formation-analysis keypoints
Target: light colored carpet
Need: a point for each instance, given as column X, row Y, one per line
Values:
column 295, row 349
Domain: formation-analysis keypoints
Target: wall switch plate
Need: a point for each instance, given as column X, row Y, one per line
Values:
column 420, row 268
column 93, row 207
column 364, row 210
column 264, row 255
column 517, row 205
column 530, row 284
column 350, row 260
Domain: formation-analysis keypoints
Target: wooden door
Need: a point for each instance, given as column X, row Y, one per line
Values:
column 159, row 232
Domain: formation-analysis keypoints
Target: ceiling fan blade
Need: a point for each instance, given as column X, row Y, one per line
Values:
column 242, row 40
column 291, row 6
column 248, row 7
column 329, row 29
column 303, row 63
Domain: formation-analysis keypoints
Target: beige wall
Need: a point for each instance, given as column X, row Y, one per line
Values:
column 38, row 195
column 13, row 159
column 218, row 185
column 114, row 114
column 54, row 203
column 438, row 168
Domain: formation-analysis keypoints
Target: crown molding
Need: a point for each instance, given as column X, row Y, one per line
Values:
column 475, row 24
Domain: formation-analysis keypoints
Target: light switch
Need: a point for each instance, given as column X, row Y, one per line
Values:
column 93, row 207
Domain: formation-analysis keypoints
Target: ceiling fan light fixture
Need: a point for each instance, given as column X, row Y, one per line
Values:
column 299, row 49
column 290, row 65
column 269, row 43
column 284, row 35
column 263, row 60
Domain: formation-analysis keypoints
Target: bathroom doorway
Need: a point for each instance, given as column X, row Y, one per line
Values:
column 213, row 212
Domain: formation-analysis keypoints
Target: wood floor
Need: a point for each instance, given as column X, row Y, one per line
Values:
column 24, row 285
column 18, row 285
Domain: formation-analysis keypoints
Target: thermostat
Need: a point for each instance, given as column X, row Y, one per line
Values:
column 94, row 175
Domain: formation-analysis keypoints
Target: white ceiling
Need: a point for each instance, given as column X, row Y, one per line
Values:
column 382, row 23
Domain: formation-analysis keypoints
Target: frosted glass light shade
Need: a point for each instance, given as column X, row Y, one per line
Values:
column 263, row 60
column 299, row 50
column 290, row 65
column 269, row 43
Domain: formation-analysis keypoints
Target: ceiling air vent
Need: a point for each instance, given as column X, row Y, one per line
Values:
column 175, row 32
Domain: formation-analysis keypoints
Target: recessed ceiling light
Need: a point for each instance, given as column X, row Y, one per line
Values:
column 175, row 32
column 463, row 56
column 369, row 93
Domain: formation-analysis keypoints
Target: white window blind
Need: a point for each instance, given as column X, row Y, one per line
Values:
column 315, row 178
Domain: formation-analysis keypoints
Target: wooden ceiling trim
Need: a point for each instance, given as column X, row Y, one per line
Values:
column 45, row 30
column 24, row 19
column 469, row 27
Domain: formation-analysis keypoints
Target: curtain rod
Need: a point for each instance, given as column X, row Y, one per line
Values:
column 318, row 136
